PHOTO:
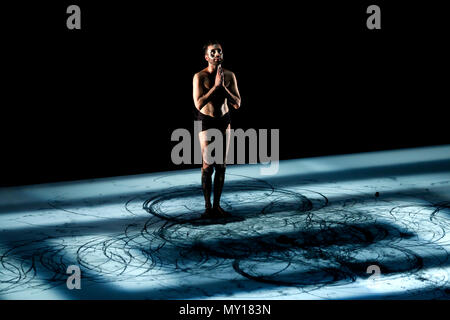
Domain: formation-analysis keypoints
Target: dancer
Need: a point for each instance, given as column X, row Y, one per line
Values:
column 214, row 90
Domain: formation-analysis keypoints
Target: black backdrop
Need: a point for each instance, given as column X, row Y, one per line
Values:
column 104, row 100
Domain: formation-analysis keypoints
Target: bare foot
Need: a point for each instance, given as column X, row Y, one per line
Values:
column 221, row 212
column 209, row 214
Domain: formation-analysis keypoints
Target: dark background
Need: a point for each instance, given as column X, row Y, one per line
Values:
column 104, row 100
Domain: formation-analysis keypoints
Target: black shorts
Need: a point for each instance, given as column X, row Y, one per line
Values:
column 209, row 122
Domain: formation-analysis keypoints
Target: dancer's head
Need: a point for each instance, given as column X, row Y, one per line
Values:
column 213, row 52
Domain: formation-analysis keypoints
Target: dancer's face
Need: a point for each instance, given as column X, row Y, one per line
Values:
column 214, row 54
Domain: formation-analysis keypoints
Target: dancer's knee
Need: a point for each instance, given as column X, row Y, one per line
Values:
column 207, row 169
column 220, row 167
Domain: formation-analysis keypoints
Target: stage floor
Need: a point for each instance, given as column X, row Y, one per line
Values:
column 315, row 230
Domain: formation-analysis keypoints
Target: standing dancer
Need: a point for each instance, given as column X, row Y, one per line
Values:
column 214, row 90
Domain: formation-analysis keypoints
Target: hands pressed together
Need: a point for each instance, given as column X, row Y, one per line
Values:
column 219, row 77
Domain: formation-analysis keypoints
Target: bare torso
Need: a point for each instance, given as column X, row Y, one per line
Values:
column 218, row 106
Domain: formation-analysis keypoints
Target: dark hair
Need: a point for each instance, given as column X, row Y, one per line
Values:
column 210, row 43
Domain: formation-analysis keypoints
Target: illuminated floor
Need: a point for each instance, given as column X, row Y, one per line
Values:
column 309, row 232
